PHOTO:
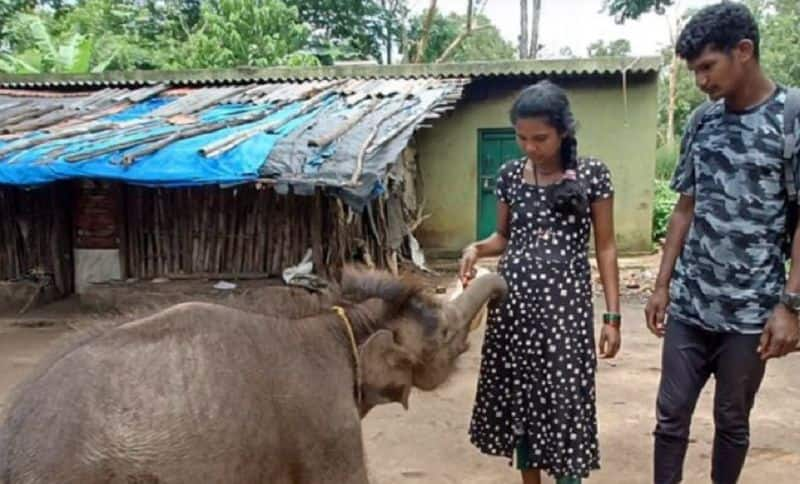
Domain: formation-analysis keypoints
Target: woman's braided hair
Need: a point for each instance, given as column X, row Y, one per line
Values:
column 548, row 101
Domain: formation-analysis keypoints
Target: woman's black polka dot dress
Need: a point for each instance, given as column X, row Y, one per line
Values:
column 536, row 384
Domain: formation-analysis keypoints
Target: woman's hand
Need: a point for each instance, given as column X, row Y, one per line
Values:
column 610, row 341
column 466, row 270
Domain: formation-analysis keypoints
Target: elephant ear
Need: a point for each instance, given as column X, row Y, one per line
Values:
column 386, row 371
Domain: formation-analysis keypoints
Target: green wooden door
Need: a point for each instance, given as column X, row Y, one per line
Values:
column 495, row 147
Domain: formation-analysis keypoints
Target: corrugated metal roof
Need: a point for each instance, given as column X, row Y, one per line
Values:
column 340, row 134
column 567, row 67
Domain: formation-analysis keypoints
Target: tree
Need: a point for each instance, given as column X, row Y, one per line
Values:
column 424, row 34
column 70, row 54
column 130, row 35
column 484, row 43
column 366, row 27
column 675, row 24
column 623, row 10
column 523, row 29
column 395, row 15
column 8, row 11
column 469, row 28
column 533, row 50
column 780, row 47
column 780, row 39
column 75, row 36
column 677, row 98
column 235, row 33
column 614, row 48
column 566, row 52
column 529, row 49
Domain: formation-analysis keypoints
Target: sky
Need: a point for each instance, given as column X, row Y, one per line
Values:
column 573, row 23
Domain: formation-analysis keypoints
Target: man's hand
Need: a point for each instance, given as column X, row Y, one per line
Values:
column 780, row 334
column 656, row 310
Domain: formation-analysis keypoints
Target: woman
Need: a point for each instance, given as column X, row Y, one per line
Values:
column 536, row 391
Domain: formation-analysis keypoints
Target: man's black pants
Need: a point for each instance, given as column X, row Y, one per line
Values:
column 690, row 355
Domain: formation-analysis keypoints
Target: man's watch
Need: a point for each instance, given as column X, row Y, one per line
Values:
column 792, row 301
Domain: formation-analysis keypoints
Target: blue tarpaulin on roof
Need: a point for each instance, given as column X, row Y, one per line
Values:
column 343, row 136
column 178, row 164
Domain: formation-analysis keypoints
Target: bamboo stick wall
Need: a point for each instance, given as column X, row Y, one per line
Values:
column 242, row 231
column 36, row 235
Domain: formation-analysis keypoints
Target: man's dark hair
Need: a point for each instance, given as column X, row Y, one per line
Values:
column 721, row 27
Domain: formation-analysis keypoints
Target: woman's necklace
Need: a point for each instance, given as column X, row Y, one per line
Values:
column 535, row 169
column 542, row 233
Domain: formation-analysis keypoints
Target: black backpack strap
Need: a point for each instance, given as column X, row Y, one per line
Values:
column 791, row 117
column 692, row 127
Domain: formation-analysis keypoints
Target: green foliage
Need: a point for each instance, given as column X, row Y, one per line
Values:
column 8, row 10
column 154, row 34
column 666, row 159
column 484, row 43
column 780, row 39
column 664, row 201
column 623, row 10
column 234, row 33
column 126, row 35
column 687, row 98
column 352, row 28
column 599, row 48
column 177, row 34
column 71, row 53
column 780, row 50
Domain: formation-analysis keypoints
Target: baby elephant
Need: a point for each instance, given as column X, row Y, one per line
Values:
column 213, row 394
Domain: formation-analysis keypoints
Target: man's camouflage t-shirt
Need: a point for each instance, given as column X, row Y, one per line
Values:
column 730, row 274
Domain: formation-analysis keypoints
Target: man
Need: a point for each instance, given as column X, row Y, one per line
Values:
column 728, row 303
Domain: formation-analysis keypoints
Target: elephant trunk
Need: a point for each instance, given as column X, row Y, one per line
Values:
column 479, row 292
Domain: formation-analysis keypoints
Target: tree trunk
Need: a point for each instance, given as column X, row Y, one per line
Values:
column 673, row 90
column 457, row 42
column 426, row 32
column 468, row 27
column 533, row 52
column 389, row 43
column 404, row 48
column 674, row 30
column 388, row 38
column 523, row 29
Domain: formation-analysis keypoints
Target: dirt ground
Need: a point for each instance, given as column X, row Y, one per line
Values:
column 429, row 443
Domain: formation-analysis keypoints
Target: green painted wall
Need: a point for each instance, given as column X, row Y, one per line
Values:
column 624, row 138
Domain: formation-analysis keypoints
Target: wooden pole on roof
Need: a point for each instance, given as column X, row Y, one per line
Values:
column 365, row 146
column 343, row 128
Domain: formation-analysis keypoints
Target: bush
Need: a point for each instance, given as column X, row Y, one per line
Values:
column 663, row 202
column 666, row 159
